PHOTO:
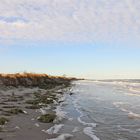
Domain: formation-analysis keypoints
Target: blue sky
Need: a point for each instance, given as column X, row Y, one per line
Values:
column 97, row 61
column 84, row 38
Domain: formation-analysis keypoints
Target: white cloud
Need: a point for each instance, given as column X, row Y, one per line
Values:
column 69, row 20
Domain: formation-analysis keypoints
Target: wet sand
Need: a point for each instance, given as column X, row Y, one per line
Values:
column 25, row 126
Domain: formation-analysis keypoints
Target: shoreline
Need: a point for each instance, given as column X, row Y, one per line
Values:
column 24, row 110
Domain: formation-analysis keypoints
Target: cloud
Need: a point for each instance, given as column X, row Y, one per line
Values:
column 70, row 20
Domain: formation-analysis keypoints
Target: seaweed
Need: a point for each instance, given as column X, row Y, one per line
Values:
column 15, row 111
column 47, row 118
column 3, row 120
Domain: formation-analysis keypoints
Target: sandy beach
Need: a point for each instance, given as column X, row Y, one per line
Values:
column 25, row 125
column 21, row 109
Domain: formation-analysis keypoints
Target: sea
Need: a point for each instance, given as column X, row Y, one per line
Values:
column 99, row 110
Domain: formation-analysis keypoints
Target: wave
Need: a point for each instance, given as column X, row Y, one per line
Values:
column 134, row 91
column 76, row 129
column 131, row 114
column 59, row 111
column 77, row 108
column 85, row 123
column 132, row 94
column 120, row 104
column 131, row 85
column 128, row 87
column 89, row 129
column 62, row 137
column 125, row 129
column 60, row 114
column 89, row 132
column 54, row 129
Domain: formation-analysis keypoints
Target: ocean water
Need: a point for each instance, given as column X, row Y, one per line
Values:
column 99, row 110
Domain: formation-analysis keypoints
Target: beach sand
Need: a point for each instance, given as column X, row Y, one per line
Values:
column 25, row 126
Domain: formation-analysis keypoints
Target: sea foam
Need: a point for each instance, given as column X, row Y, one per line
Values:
column 77, row 107
column 60, row 114
column 54, row 129
column 62, row 137
column 133, row 115
column 89, row 132
column 89, row 129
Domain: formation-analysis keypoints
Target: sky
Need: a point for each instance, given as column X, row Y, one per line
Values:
column 96, row 39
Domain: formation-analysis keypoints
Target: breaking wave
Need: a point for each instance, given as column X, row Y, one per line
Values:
column 62, row 137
